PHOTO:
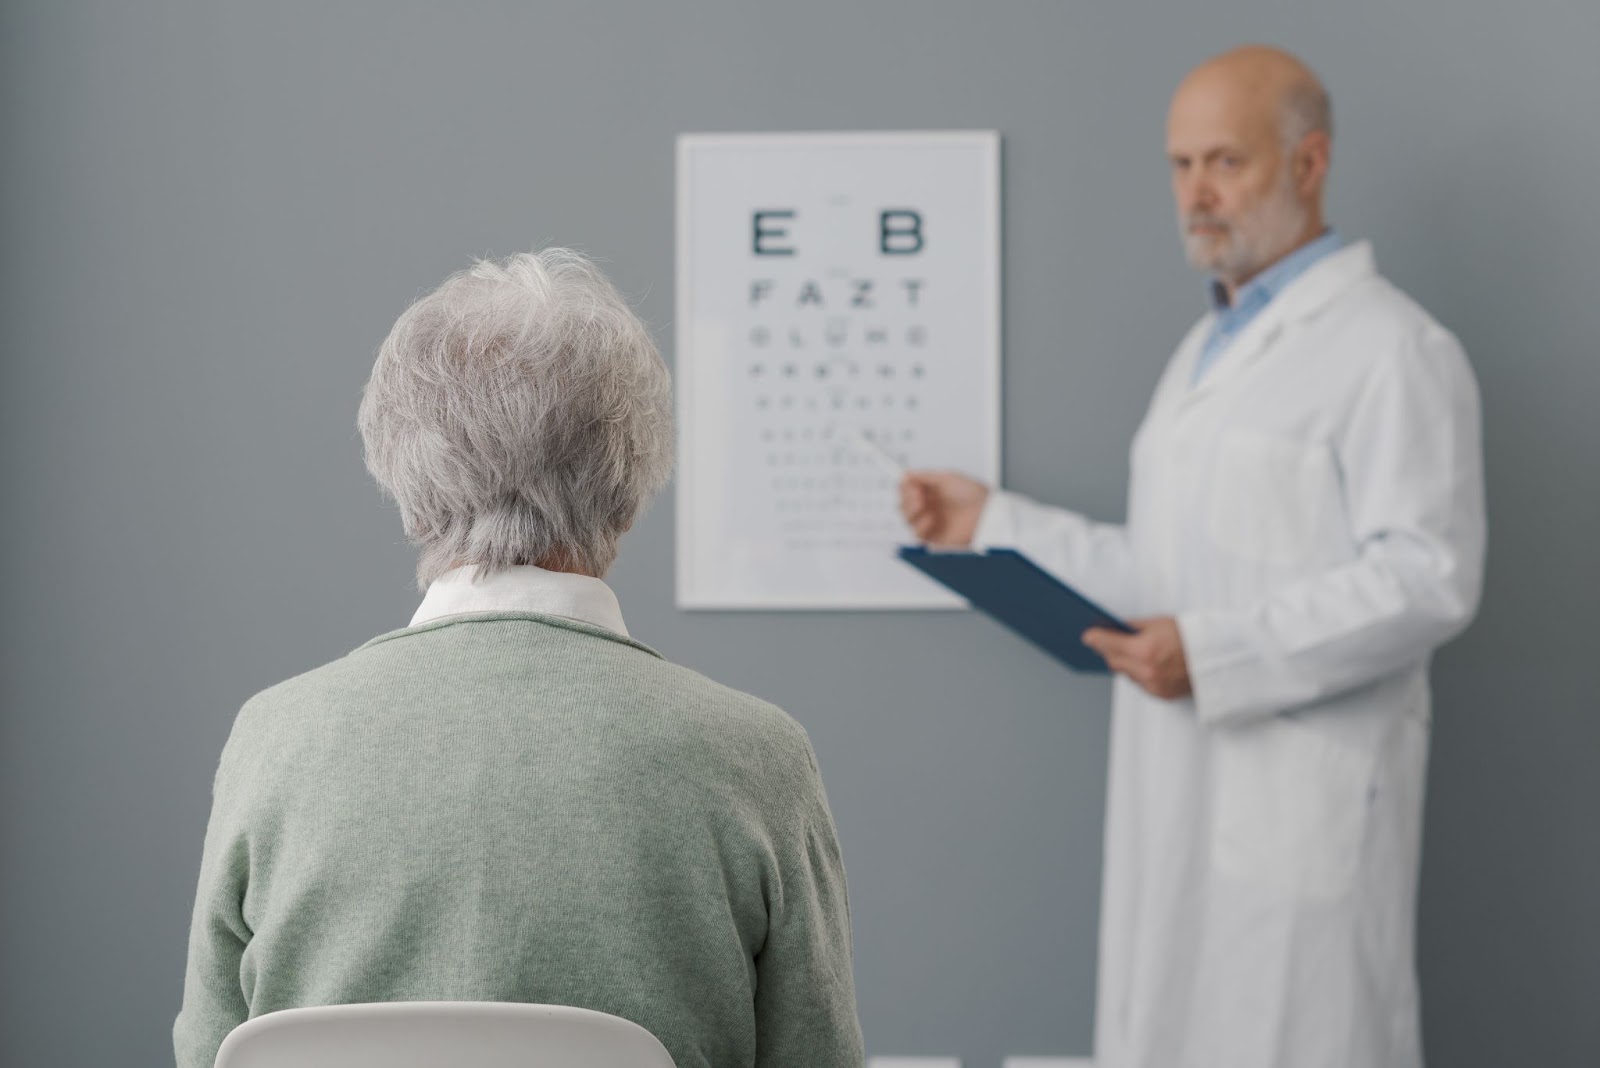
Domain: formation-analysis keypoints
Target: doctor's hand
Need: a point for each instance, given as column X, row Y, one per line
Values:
column 942, row 507
column 1152, row 657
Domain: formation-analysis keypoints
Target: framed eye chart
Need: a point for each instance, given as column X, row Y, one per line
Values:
column 838, row 300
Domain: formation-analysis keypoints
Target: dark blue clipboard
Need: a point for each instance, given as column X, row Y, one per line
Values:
column 1019, row 593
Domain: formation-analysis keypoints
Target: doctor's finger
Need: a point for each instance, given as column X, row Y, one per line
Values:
column 1127, row 662
column 1117, row 661
column 1117, row 664
column 1128, row 669
column 1107, row 642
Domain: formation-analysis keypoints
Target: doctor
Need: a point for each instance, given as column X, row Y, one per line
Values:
column 1305, row 527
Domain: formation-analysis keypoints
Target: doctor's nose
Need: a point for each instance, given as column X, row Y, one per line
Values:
column 1196, row 194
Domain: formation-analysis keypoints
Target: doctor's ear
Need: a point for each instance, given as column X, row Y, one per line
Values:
column 1309, row 163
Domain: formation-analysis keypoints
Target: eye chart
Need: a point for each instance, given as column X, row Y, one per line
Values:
column 838, row 317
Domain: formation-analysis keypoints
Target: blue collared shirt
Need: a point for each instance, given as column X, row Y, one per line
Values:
column 1255, row 295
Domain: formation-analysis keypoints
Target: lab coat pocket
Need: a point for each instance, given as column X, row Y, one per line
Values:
column 1289, row 812
column 1272, row 497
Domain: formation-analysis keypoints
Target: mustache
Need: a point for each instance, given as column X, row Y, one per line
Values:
column 1202, row 218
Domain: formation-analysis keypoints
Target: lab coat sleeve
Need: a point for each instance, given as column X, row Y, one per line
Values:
column 1411, row 458
column 1094, row 557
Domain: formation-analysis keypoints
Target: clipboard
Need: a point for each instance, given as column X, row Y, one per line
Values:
column 1029, row 600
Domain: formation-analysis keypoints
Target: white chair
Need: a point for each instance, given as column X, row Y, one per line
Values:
column 441, row 1034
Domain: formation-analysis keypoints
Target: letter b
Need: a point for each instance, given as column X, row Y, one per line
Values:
column 900, row 232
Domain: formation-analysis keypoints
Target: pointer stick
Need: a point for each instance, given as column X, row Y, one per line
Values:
column 882, row 453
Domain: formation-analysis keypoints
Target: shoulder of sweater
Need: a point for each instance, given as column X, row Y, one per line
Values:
column 739, row 710
column 265, row 707
column 745, row 706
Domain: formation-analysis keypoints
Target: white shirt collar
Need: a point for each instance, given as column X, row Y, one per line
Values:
column 522, row 588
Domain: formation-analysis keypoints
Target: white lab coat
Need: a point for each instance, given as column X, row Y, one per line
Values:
column 1312, row 513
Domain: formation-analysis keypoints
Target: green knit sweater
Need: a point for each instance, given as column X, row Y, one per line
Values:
column 516, row 807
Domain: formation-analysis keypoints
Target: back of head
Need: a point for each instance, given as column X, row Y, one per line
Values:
column 519, row 414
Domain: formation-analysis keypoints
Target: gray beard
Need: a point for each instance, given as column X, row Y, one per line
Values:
column 1253, row 241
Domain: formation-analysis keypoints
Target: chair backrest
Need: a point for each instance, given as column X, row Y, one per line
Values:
column 441, row 1034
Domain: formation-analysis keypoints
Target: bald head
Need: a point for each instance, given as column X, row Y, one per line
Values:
column 1248, row 137
column 1261, row 84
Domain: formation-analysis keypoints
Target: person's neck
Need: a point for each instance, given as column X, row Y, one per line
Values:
column 560, row 562
column 1314, row 229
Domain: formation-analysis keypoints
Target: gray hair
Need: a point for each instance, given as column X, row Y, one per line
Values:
column 519, row 414
column 1305, row 109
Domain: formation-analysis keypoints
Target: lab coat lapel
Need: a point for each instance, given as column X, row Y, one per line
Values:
column 1299, row 301
column 1173, row 386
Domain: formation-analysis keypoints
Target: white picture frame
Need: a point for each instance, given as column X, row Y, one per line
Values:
column 760, row 216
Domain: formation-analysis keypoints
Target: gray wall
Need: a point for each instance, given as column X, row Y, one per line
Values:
column 212, row 214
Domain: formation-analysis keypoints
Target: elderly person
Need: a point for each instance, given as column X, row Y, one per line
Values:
column 1305, row 527
column 511, row 799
